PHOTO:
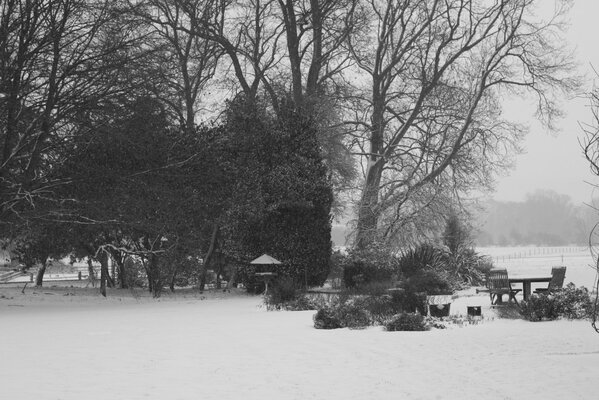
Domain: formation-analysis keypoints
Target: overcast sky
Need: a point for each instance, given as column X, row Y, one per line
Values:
column 556, row 162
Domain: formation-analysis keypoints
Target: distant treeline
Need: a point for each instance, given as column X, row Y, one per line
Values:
column 544, row 218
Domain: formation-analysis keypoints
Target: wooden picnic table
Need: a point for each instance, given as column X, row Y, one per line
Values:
column 527, row 281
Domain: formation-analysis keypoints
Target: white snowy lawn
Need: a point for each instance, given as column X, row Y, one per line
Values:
column 62, row 343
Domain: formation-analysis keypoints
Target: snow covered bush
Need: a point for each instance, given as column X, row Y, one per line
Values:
column 407, row 322
column 281, row 291
column 365, row 266
column 327, row 318
column 539, row 307
column 380, row 308
column 574, row 303
column 353, row 316
column 343, row 315
column 570, row 302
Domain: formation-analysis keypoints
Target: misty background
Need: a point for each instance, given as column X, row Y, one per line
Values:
column 543, row 218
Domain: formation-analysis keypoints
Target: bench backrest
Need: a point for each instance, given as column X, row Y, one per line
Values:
column 558, row 274
column 498, row 279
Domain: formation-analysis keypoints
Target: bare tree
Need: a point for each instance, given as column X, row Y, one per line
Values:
column 58, row 60
column 430, row 111
column 315, row 32
column 181, row 63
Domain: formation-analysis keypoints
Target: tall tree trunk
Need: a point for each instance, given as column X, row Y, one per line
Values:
column 103, row 273
column 219, row 269
column 119, row 260
column 112, row 275
column 39, row 279
column 173, row 278
column 156, row 276
column 293, row 42
column 208, row 257
column 232, row 279
column 105, row 279
column 145, row 263
column 316, row 64
column 368, row 214
column 104, row 261
column 90, row 272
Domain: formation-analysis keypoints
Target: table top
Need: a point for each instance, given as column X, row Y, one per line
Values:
column 529, row 278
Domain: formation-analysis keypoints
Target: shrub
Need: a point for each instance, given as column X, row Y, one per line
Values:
column 424, row 283
column 281, row 291
column 283, row 295
column 430, row 282
column 379, row 308
column 326, row 318
column 570, row 302
column 301, row 303
column 246, row 274
column 362, row 267
column 342, row 315
column 539, row 307
column 407, row 322
column 573, row 303
column 353, row 316
column 425, row 256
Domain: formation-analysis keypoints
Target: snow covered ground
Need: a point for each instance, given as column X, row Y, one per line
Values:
column 531, row 260
column 68, row 343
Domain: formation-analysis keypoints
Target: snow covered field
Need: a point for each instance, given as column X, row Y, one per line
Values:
column 581, row 269
column 68, row 343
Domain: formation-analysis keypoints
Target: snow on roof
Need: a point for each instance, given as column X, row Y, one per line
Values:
column 265, row 259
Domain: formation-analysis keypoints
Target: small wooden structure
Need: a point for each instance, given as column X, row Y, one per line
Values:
column 265, row 272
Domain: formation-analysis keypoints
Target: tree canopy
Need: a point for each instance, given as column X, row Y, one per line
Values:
column 204, row 129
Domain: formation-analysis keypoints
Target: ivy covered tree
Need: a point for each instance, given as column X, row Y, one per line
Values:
column 283, row 195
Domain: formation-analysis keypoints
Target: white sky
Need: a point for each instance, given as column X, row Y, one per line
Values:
column 556, row 162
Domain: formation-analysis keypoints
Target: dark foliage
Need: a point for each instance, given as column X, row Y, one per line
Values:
column 380, row 308
column 327, row 318
column 407, row 322
column 439, row 311
column 573, row 302
column 539, row 307
column 430, row 281
column 282, row 290
column 420, row 258
column 343, row 315
column 460, row 258
column 427, row 282
column 283, row 197
column 570, row 302
column 363, row 267
column 302, row 303
column 353, row 316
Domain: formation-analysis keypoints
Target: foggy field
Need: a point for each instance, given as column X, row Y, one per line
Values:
column 539, row 260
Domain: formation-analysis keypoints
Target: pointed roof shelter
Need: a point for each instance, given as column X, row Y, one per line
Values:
column 265, row 259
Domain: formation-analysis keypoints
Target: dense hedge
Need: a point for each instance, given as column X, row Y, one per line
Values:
column 284, row 191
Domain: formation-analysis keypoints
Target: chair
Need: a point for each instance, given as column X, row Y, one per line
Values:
column 498, row 284
column 558, row 274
